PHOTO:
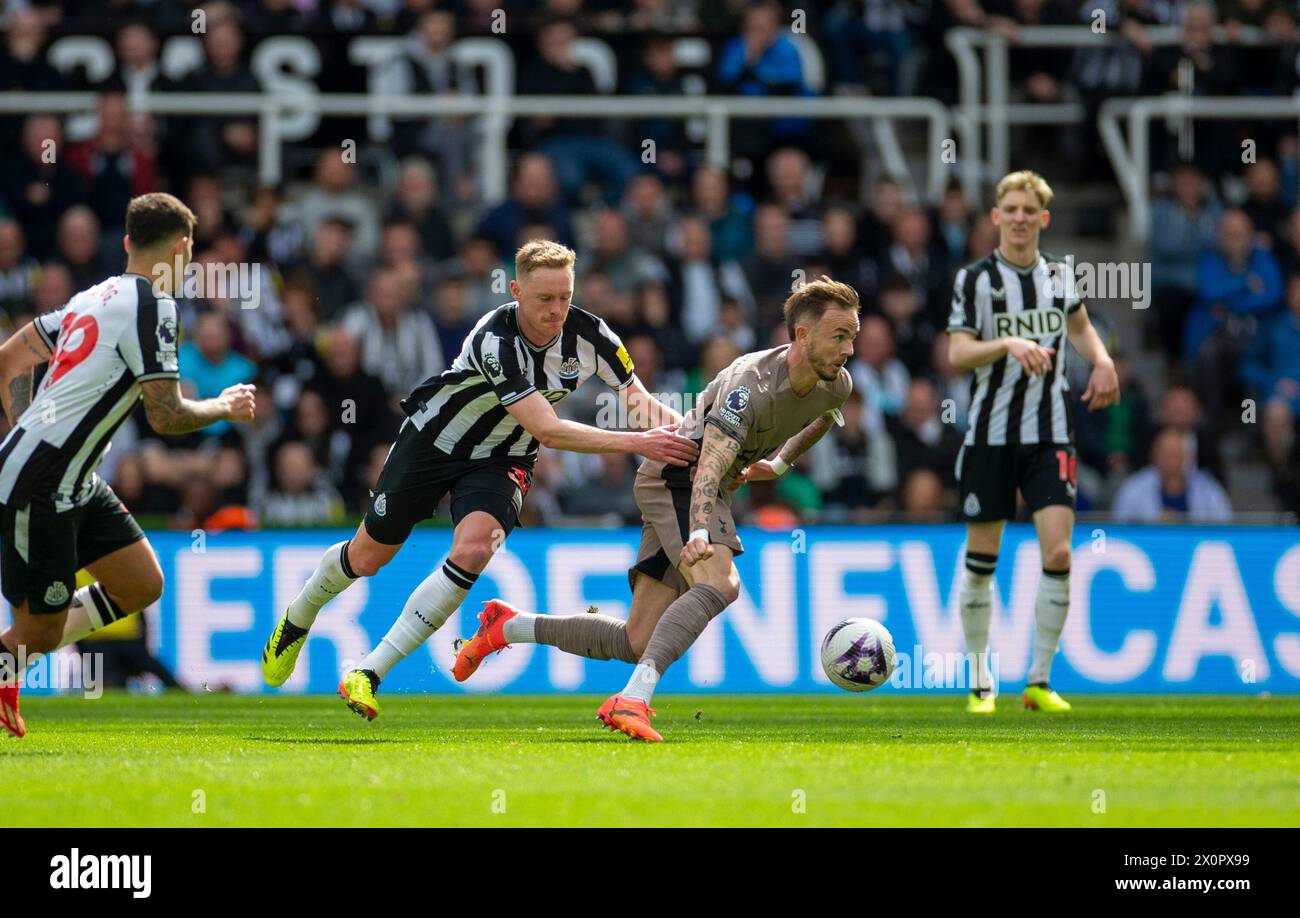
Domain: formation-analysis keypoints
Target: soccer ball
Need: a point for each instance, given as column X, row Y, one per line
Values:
column 858, row 654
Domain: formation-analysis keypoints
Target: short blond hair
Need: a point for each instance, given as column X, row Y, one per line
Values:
column 542, row 253
column 1026, row 180
column 812, row 300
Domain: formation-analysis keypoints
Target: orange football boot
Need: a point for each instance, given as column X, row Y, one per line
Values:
column 630, row 716
column 9, row 716
column 490, row 637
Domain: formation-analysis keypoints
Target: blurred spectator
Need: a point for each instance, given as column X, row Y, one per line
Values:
column 874, row 45
column 268, row 233
column 334, row 194
column 602, row 487
column 324, row 269
column 18, row 272
column 425, row 67
column 1171, row 489
column 878, row 374
column 921, row 439
column 415, row 199
column 1117, row 439
column 729, row 227
column 1264, row 203
column 699, row 284
column 841, row 254
column 1236, row 286
column 301, row 494
column 1271, row 370
column 1180, row 410
column 579, row 149
column 792, row 190
column 38, row 184
column 23, row 66
column 533, row 199
column 923, row 497
column 649, row 214
column 79, row 248
column 484, row 277
column 770, row 269
column 208, row 365
column 914, row 256
column 658, row 76
column 399, row 345
column 451, row 315
column 762, row 61
column 1188, row 222
column 612, row 254
column 111, row 167
column 223, row 141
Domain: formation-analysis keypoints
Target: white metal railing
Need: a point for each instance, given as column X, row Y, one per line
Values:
column 1132, row 161
column 495, row 111
column 997, row 113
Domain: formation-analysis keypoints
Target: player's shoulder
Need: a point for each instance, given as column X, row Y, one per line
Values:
column 978, row 266
column 842, row 387
column 587, row 324
column 500, row 322
column 1053, row 259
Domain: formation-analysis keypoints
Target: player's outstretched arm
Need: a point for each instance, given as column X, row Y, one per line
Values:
column 537, row 417
column 169, row 412
column 1103, row 383
column 716, row 456
column 643, row 410
column 791, row 450
column 24, row 349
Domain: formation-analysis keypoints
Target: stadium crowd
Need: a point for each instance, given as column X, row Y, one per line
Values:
column 372, row 270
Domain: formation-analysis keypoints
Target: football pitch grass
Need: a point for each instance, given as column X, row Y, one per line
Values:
column 879, row 760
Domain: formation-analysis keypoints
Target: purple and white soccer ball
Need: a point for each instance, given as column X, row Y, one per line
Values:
column 858, row 654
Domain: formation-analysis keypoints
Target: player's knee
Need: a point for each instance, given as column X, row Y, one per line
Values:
column 1057, row 558
column 365, row 563
column 727, row 584
column 473, row 554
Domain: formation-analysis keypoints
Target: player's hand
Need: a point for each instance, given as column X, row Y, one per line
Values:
column 1103, row 387
column 666, row 445
column 238, row 402
column 758, row 471
column 1032, row 356
column 694, row 551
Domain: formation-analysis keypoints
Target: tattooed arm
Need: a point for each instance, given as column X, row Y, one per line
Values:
column 716, row 457
column 24, row 350
column 169, row 412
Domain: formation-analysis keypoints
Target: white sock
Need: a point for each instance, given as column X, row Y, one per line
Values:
column 642, row 684
column 331, row 577
column 522, row 629
column 90, row 609
column 976, row 613
column 1050, row 608
column 426, row 609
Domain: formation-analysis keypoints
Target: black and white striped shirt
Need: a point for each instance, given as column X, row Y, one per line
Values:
column 105, row 342
column 464, row 408
column 993, row 298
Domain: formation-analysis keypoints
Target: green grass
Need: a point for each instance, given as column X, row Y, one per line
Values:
column 883, row 760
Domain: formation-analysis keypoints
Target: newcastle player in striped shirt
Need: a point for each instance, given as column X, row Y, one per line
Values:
column 473, row 432
column 110, row 347
column 1011, row 314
